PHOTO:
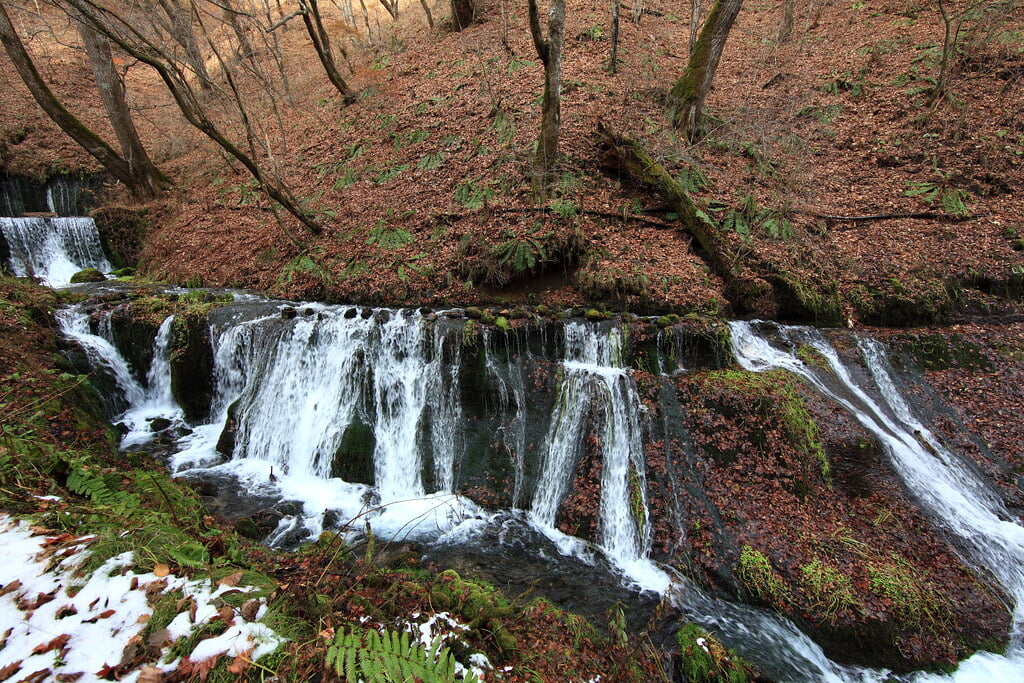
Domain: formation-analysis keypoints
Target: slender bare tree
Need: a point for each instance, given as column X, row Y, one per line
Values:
column 124, row 30
column 549, row 49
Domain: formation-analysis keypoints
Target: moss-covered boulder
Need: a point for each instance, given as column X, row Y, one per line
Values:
column 88, row 275
column 904, row 302
column 191, row 359
column 121, row 230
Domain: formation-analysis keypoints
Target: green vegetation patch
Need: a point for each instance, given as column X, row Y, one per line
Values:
column 757, row 575
column 705, row 660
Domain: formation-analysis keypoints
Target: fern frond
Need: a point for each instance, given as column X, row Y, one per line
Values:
column 369, row 656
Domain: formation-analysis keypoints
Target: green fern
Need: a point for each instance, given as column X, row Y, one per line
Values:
column 374, row 658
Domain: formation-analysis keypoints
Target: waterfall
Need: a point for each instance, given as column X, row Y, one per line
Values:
column 511, row 390
column 945, row 486
column 594, row 381
column 290, row 391
column 53, row 249
column 102, row 354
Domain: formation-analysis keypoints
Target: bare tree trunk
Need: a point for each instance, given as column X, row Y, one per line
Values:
column 550, row 52
column 180, row 28
column 391, row 6
column 786, row 27
column 696, row 13
column 322, row 44
column 111, row 89
column 613, row 56
column 463, row 12
column 92, row 143
column 137, row 44
column 686, row 100
column 426, row 10
column 231, row 16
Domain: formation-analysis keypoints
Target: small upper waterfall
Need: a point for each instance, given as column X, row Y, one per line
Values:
column 53, row 249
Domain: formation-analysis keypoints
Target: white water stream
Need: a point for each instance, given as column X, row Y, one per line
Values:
column 293, row 388
column 944, row 485
column 53, row 249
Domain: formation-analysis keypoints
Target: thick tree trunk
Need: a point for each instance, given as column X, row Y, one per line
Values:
column 92, row 143
column 686, row 100
column 550, row 52
column 112, row 93
column 322, row 44
column 463, row 12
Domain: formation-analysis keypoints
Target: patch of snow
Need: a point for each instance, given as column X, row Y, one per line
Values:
column 68, row 625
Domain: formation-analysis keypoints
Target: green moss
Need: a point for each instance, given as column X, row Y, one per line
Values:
column 830, row 590
column 776, row 395
column 88, row 275
column 907, row 588
column 502, row 323
column 705, row 660
column 812, row 357
column 667, row 320
column 757, row 575
column 817, row 303
column 942, row 352
column 636, row 499
column 905, row 303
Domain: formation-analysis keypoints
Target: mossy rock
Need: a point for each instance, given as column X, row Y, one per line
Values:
column 88, row 275
column 353, row 461
column 121, row 231
column 942, row 352
column 702, row 659
column 192, row 364
column 814, row 303
column 895, row 303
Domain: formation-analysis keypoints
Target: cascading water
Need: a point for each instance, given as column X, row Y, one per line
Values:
column 511, row 395
column 595, row 380
column 53, row 249
column 293, row 388
column 943, row 484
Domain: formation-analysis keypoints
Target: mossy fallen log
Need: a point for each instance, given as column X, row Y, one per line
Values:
column 758, row 290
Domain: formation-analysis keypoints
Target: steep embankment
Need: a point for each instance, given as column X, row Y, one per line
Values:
column 421, row 185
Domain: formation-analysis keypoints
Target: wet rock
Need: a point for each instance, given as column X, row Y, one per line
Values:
column 247, row 528
column 159, row 424
column 353, row 461
column 88, row 275
column 191, row 360
column 351, row 313
column 288, row 313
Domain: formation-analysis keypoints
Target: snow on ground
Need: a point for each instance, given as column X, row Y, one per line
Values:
column 54, row 622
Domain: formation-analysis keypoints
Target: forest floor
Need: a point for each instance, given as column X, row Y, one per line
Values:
column 422, row 185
